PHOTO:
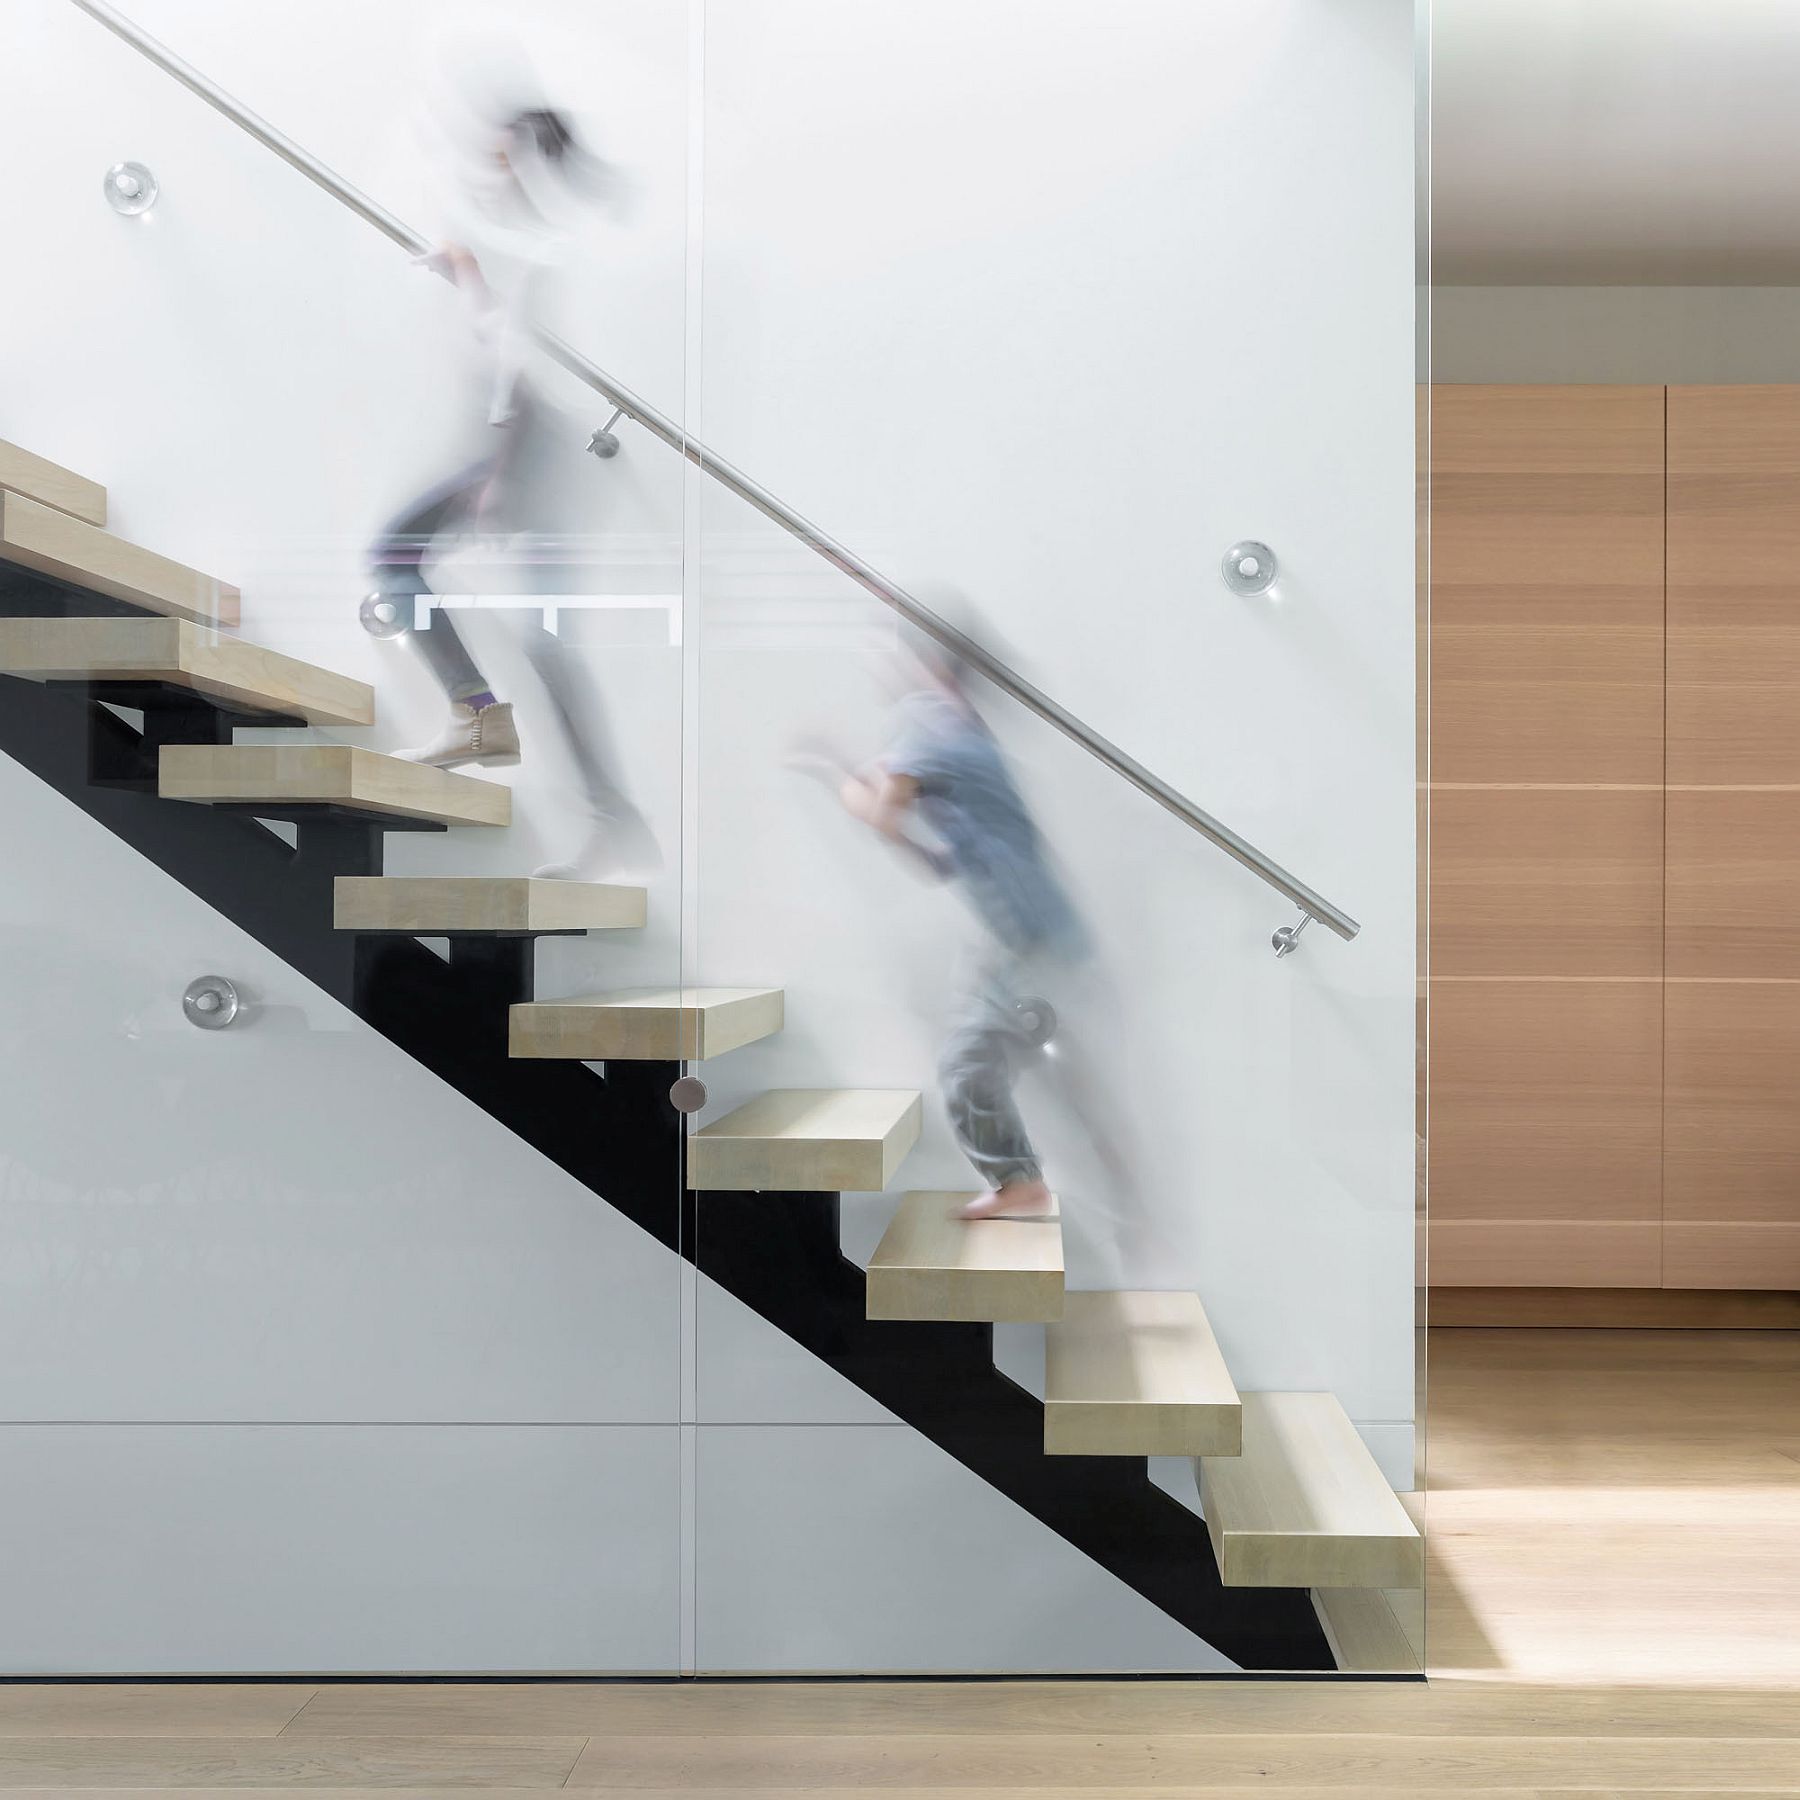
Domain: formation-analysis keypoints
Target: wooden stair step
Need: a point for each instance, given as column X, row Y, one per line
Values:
column 178, row 653
column 1372, row 1631
column 56, row 543
column 37, row 478
column 807, row 1140
column 342, row 776
column 645, row 1024
column 1305, row 1504
column 1136, row 1374
column 931, row 1265
column 467, row 906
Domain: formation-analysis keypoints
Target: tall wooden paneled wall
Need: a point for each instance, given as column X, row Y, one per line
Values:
column 1731, row 1194
column 1614, row 703
column 1546, row 837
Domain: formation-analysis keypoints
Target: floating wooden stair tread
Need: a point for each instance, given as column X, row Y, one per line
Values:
column 181, row 654
column 645, row 1024
column 455, row 906
column 1136, row 1374
column 931, row 1265
column 1368, row 1628
column 37, row 478
column 807, row 1140
column 336, row 775
column 1304, row 1504
column 56, row 543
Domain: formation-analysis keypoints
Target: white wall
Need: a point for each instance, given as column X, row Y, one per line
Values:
column 987, row 293
column 1615, row 334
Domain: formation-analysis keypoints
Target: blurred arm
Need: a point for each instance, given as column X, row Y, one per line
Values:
column 881, row 800
column 884, row 801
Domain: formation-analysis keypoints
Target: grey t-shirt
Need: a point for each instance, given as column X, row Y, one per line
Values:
column 968, row 799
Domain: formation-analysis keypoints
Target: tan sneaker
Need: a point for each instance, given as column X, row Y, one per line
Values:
column 488, row 736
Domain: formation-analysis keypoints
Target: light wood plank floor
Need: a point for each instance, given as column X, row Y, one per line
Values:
column 1615, row 1610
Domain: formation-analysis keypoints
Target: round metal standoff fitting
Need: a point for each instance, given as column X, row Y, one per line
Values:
column 211, row 1002
column 688, row 1094
column 383, row 616
column 1038, row 1018
column 1249, row 568
column 130, row 188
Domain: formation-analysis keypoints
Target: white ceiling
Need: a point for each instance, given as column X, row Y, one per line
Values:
column 1600, row 141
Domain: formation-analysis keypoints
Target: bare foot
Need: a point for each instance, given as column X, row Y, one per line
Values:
column 1017, row 1200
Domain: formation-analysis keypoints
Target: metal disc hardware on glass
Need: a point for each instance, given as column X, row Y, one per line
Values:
column 211, row 1002
column 130, row 188
column 1249, row 567
column 383, row 616
column 1038, row 1018
column 688, row 1094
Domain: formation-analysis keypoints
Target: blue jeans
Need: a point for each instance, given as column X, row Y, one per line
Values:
column 990, row 1041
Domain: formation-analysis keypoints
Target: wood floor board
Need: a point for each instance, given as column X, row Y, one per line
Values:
column 1450, row 1706
column 1383, row 1790
column 200, row 1763
column 1618, row 1507
column 315, row 1790
column 320, row 1791
column 149, row 1709
column 1081, row 1762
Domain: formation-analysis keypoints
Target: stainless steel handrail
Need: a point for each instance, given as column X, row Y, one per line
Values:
column 1008, row 680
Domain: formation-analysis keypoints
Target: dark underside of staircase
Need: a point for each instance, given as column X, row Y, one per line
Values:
column 617, row 1133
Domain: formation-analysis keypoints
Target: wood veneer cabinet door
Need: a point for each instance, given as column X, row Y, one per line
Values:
column 1547, row 881
column 1733, row 1005
column 1732, row 1158
column 1547, row 584
column 1546, row 836
column 1546, row 1134
column 1734, row 585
